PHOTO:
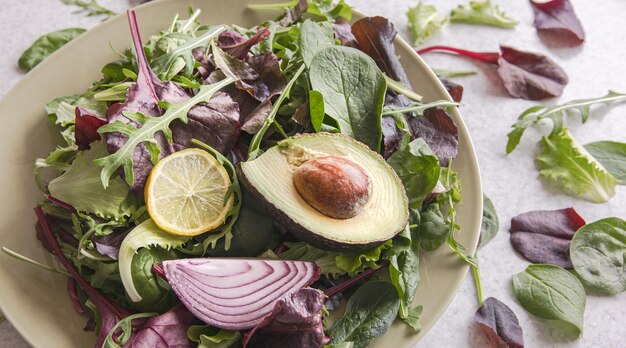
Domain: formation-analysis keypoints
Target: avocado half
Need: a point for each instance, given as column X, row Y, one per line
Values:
column 269, row 178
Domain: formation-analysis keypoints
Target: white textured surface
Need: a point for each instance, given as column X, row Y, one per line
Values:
column 510, row 181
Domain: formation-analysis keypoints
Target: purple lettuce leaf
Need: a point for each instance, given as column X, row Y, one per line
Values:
column 238, row 45
column 168, row 330
column 438, row 130
column 295, row 322
column 529, row 75
column 109, row 245
column 556, row 19
column 86, row 128
column 293, row 14
column 343, row 32
column 499, row 324
column 544, row 236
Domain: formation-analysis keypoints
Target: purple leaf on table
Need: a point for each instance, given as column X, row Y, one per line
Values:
column 557, row 19
column 544, row 236
column 295, row 322
column 499, row 324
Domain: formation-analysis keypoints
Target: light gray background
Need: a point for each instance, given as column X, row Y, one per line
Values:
column 511, row 181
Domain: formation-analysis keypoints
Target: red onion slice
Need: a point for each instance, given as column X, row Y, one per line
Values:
column 236, row 294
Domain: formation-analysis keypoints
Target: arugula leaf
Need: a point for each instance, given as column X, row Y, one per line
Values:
column 418, row 168
column 423, row 20
column 145, row 235
column 149, row 127
column 612, row 156
column 46, row 45
column 555, row 113
column 449, row 74
column 325, row 9
column 80, row 186
column 212, row 337
column 354, row 91
column 552, row 293
column 369, row 313
column 91, row 8
column 313, row 37
column 566, row 166
column 482, row 13
column 178, row 56
column 598, row 252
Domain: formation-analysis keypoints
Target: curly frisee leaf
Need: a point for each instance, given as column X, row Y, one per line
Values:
column 149, row 126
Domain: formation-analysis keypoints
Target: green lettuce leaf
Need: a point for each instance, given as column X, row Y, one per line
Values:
column 212, row 337
column 145, row 235
column 566, row 166
column 423, row 20
column 81, row 187
column 612, row 155
column 482, row 13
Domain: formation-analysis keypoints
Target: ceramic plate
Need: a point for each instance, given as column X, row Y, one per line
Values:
column 36, row 301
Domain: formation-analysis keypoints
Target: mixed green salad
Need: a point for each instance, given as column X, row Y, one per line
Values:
column 224, row 186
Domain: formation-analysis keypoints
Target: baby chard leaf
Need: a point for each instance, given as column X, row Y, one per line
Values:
column 544, row 236
column 558, row 19
column 552, row 293
column 499, row 324
column 566, row 166
column 598, row 252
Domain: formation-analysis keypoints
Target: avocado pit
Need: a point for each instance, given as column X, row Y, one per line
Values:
column 334, row 185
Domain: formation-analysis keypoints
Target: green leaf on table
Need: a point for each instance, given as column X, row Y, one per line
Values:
column 313, row 37
column 482, row 13
column 423, row 20
column 369, row 313
column 556, row 113
column 353, row 89
column 449, row 74
column 598, row 253
column 552, row 293
column 145, row 235
column 46, row 45
column 80, row 186
column 567, row 167
column 490, row 224
column 612, row 156
column 418, row 168
column 149, row 126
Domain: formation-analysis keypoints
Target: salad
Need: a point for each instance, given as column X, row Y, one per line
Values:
column 223, row 186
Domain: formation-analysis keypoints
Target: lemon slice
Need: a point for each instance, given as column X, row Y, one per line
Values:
column 185, row 193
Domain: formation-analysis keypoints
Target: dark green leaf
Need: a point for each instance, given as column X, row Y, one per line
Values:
column 565, row 166
column 552, row 293
column 156, row 294
column 433, row 228
column 598, row 252
column 316, row 109
column 45, row 46
column 612, row 156
column 353, row 89
column 490, row 224
column 418, row 168
column 369, row 313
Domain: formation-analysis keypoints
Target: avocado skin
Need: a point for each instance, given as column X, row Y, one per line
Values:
column 300, row 231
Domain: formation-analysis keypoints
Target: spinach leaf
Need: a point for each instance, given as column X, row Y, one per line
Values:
column 433, row 229
column 353, row 89
column 423, row 20
column 564, row 165
column 313, row 37
column 612, row 156
column 316, row 109
column 46, row 45
column 552, row 293
column 369, row 313
column 490, row 224
column 598, row 252
column 405, row 276
column 482, row 13
column 418, row 168
column 80, row 186
column 156, row 294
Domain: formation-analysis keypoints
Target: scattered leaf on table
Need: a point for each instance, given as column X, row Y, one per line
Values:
column 544, row 236
column 598, row 252
column 46, row 45
column 482, row 13
column 558, row 19
column 423, row 20
column 490, row 224
column 612, row 156
column 499, row 324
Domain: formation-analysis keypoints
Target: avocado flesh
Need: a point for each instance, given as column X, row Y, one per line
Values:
column 270, row 178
